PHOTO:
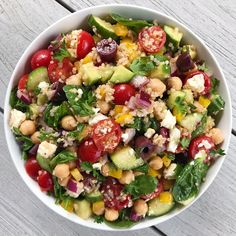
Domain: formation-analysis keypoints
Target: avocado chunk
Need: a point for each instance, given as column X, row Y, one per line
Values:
column 121, row 75
column 158, row 208
column 44, row 163
column 38, row 75
column 173, row 37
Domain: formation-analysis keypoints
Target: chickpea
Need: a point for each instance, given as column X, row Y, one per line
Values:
column 174, row 83
column 156, row 163
column 216, row 135
column 64, row 182
column 127, row 177
column 27, row 127
column 68, row 123
column 111, row 214
column 35, row 137
column 98, row 208
column 61, row 171
column 157, row 86
column 104, row 106
column 140, row 207
column 105, row 170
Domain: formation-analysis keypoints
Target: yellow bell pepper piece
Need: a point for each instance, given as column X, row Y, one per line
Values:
column 126, row 40
column 204, row 101
column 97, row 206
column 166, row 160
column 114, row 172
column 68, row 204
column 120, row 30
column 125, row 118
column 76, row 174
column 166, row 197
column 118, row 109
column 154, row 173
column 87, row 59
column 179, row 116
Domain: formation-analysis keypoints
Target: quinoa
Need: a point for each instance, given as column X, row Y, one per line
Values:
column 105, row 93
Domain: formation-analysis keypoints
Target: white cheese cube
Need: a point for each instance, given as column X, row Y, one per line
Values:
column 46, row 149
column 149, row 133
column 174, row 140
column 169, row 120
column 16, row 118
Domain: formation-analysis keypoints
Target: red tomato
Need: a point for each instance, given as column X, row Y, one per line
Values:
column 113, row 196
column 122, row 94
column 156, row 193
column 22, row 82
column 152, row 39
column 200, row 143
column 45, row 181
column 106, row 135
column 88, row 151
column 32, row 168
column 207, row 80
column 85, row 44
column 41, row 58
column 59, row 70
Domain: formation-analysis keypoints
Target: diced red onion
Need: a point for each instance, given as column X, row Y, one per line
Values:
column 33, row 150
column 139, row 81
column 141, row 100
column 23, row 97
column 132, row 103
column 72, row 185
column 56, row 43
column 134, row 216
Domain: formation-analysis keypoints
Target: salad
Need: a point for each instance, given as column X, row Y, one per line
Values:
column 117, row 123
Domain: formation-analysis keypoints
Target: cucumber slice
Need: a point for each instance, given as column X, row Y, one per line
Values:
column 191, row 121
column 173, row 37
column 102, row 27
column 44, row 163
column 83, row 209
column 38, row 75
column 125, row 159
column 173, row 96
column 157, row 208
column 94, row 196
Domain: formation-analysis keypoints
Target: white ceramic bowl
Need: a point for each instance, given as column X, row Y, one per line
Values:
column 75, row 21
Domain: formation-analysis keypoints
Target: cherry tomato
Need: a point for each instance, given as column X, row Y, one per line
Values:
column 22, row 82
column 113, row 194
column 106, row 135
column 85, row 44
column 200, row 143
column 41, row 58
column 152, row 39
column 88, row 151
column 32, row 168
column 59, row 70
column 156, row 193
column 207, row 80
column 45, row 181
column 122, row 94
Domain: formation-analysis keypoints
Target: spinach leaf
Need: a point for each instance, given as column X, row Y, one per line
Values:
column 16, row 103
column 143, row 184
column 143, row 168
column 62, row 52
column 201, row 127
column 53, row 114
column 135, row 25
column 87, row 167
column 76, row 134
column 81, row 106
column 188, row 181
column 62, row 157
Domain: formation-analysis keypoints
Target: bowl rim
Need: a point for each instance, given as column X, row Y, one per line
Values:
column 149, row 222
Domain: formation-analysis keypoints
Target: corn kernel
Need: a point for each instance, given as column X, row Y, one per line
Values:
column 154, row 173
column 166, row 197
column 118, row 109
column 97, row 206
column 168, row 184
column 179, row 116
column 87, row 59
column 76, row 174
column 166, row 161
column 115, row 172
column 125, row 118
column 204, row 101
column 120, row 30
column 68, row 205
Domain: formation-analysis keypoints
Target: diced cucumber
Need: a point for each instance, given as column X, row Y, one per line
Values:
column 83, row 209
column 33, row 111
column 94, row 196
column 187, row 201
column 44, row 163
column 102, row 27
column 173, row 96
column 121, row 75
column 173, row 37
column 188, row 96
column 157, row 208
column 191, row 49
column 38, row 75
column 125, row 159
column 217, row 104
column 162, row 71
column 191, row 121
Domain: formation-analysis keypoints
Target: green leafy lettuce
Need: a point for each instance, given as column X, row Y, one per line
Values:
column 63, row 157
column 16, row 103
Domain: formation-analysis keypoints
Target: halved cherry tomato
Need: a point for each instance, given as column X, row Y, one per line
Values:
column 45, row 181
column 22, row 82
column 60, row 70
column 85, row 44
column 113, row 194
column 207, row 80
column 106, row 135
column 123, row 92
column 156, row 193
column 200, row 143
column 41, row 58
column 88, row 151
column 32, row 168
column 152, row 39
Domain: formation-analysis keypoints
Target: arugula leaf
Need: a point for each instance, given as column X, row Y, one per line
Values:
column 143, row 168
column 46, row 135
column 201, row 127
column 62, row 157
column 62, row 52
column 76, row 134
column 16, row 103
column 185, row 142
column 83, row 105
column 214, row 85
column 143, row 184
column 87, row 167
column 216, row 152
column 59, row 191
column 203, row 67
column 53, row 114
column 135, row 25
column 98, row 219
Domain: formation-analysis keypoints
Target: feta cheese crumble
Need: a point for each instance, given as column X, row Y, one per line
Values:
column 196, row 83
column 201, row 154
column 96, row 118
column 149, row 133
column 205, row 144
column 169, row 120
column 169, row 173
column 46, row 149
column 16, row 118
column 174, row 140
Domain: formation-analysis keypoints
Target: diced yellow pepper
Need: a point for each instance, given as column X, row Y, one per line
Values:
column 68, row 204
column 179, row 116
column 125, row 118
column 98, row 206
column 114, row 172
column 76, row 174
column 118, row 109
column 120, row 30
column 204, row 101
column 87, row 59
column 126, row 40
column 166, row 160
column 166, row 197
column 168, row 184
column 154, row 173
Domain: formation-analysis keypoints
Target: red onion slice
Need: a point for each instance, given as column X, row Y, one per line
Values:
column 33, row 150
column 72, row 185
column 23, row 97
column 134, row 216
